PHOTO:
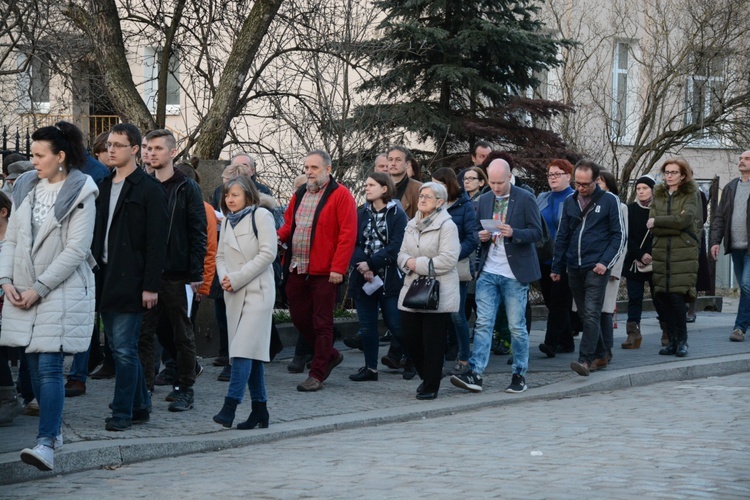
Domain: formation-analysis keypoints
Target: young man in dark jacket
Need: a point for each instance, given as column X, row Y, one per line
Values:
column 129, row 243
column 589, row 240
column 186, row 249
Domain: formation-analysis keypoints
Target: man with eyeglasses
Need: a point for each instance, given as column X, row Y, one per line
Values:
column 589, row 240
column 129, row 246
column 732, row 225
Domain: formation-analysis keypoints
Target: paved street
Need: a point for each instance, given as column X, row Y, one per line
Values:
column 668, row 440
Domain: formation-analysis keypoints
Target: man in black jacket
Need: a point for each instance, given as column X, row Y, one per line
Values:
column 186, row 248
column 129, row 243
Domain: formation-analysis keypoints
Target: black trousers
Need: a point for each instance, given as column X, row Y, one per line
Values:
column 424, row 337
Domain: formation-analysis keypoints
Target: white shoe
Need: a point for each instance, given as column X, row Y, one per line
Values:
column 58, row 441
column 42, row 457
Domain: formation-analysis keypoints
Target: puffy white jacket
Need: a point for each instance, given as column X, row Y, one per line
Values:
column 439, row 242
column 57, row 265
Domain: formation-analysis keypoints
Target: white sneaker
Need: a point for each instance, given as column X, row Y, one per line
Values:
column 42, row 457
column 58, row 441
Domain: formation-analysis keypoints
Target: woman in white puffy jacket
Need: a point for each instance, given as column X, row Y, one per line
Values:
column 46, row 272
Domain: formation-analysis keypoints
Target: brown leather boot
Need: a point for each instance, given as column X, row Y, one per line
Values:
column 634, row 336
column 664, row 334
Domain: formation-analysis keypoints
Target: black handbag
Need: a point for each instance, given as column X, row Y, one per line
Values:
column 424, row 292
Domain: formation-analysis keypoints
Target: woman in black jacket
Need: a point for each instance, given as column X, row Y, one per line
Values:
column 380, row 231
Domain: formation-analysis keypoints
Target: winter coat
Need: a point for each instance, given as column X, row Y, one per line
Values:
column 334, row 230
column 465, row 218
column 440, row 243
column 410, row 198
column 637, row 246
column 386, row 258
column 136, row 245
column 186, row 245
column 209, row 261
column 57, row 264
column 721, row 226
column 613, row 285
column 677, row 223
column 246, row 259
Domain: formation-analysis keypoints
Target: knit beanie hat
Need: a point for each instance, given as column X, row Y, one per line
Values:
column 645, row 179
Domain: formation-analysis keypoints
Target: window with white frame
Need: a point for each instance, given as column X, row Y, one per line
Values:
column 704, row 89
column 622, row 87
column 151, row 63
column 33, row 83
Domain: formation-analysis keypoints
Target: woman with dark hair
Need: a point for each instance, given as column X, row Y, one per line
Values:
column 556, row 294
column 246, row 251
column 461, row 210
column 475, row 180
column 99, row 148
column 608, row 183
column 380, row 231
column 46, row 274
column 675, row 220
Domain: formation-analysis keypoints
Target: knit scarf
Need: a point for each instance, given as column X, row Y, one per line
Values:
column 645, row 204
column 236, row 217
column 423, row 224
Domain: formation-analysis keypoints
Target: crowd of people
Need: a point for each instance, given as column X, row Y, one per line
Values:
column 129, row 239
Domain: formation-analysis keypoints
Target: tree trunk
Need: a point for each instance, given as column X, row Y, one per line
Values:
column 224, row 106
column 166, row 55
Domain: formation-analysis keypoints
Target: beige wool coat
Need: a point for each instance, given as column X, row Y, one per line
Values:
column 440, row 243
column 247, row 260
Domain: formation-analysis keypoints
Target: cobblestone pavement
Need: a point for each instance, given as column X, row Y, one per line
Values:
column 669, row 440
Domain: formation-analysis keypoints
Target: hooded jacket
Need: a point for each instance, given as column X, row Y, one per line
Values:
column 677, row 223
column 57, row 265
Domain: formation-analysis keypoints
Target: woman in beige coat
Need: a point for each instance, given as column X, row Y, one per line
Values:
column 247, row 249
column 430, row 236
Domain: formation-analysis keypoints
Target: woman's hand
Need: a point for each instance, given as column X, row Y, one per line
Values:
column 12, row 294
column 362, row 267
column 650, row 223
column 647, row 259
column 226, row 284
column 28, row 298
column 369, row 275
column 411, row 265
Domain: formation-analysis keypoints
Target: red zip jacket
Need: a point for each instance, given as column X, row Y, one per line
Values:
column 334, row 230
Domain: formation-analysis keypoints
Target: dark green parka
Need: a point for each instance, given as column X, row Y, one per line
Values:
column 678, row 221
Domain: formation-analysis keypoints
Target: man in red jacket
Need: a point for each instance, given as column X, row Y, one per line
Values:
column 320, row 230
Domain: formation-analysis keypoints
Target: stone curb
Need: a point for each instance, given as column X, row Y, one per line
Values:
column 81, row 456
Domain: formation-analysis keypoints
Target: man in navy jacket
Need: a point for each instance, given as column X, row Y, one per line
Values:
column 508, row 263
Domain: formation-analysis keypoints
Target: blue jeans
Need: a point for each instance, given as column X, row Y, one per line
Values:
column 79, row 369
column 367, row 311
column 492, row 291
column 250, row 372
column 588, row 291
column 123, row 331
column 461, row 324
column 46, row 370
column 741, row 261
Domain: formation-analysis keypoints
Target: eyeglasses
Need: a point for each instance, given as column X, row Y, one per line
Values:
column 555, row 175
column 426, row 197
column 584, row 184
column 115, row 145
column 671, row 172
column 470, row 178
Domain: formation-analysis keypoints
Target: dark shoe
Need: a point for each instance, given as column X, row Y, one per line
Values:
column 258, row 417
column 141, row 416
column 410, row 371
column 310, row 385
column 198, row 369
column 565, row 350
column 166, row 377
column 517, row 384
column 106, row 371
column 682, row 350
column 226, row 374
column 421, row 387
column 297, row 364
column 386, row 338
column 183, row 400
column 598, row 364
column 581, row 368
column 501, row 349
column 74, row 388
column 117, row 424
column 690, row 318
column 548, row 350
column 391, row 361
column 364, row 374
column 333, row 364
column 459, row 369
column 469, row 381
column 354, row 342
column 670, row 350
column 221, row 361
column 225, row 416
column 425, row 396
column 169, row 397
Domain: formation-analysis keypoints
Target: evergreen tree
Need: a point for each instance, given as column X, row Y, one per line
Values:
column 456, row 71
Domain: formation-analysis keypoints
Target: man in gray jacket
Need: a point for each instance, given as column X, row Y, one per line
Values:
column 732, row 224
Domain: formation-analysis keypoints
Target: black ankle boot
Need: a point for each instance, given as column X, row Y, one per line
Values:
column 226, row 416
column 682, row 349
column 259, row 417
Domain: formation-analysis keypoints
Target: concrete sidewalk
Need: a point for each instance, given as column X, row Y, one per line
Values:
column 344, row 404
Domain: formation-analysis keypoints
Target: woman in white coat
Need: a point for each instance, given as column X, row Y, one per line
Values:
column 46, row 273
column 431, row 236
column 244, row 258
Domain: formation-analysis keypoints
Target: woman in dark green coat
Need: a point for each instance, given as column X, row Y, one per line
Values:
column 676, row 216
